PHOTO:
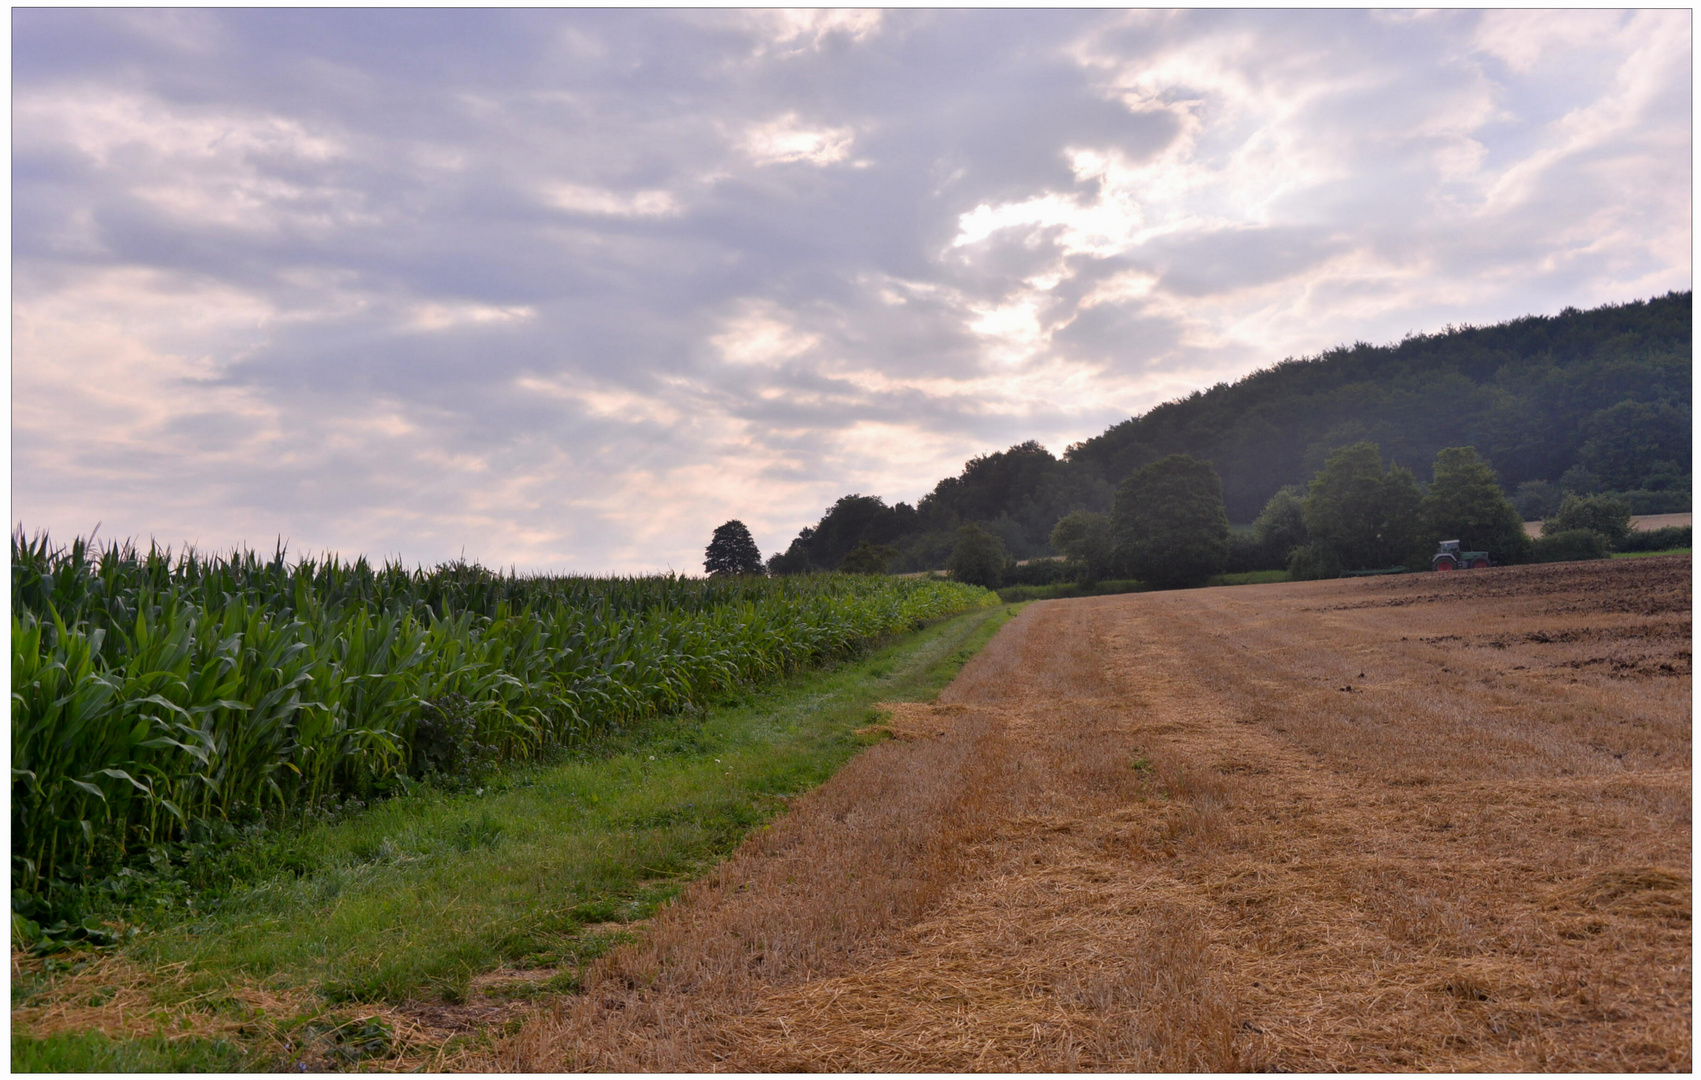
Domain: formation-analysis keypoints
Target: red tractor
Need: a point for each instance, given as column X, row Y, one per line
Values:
column 1451, row 558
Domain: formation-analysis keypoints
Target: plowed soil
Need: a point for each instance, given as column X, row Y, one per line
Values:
column 1436, row 822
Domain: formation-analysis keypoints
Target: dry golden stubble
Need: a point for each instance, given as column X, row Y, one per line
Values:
column 1389, row 824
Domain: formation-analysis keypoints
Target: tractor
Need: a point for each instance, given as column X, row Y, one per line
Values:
column 1451, row 558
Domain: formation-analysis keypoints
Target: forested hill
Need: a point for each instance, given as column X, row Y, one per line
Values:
column 1584, row 400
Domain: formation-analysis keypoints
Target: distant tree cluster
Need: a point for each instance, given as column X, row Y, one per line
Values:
column 1360, row 515
column 1583, row 402
column 1318, row 456
column 1016, row 496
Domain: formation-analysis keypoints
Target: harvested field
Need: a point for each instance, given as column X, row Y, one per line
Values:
column 1434, row 822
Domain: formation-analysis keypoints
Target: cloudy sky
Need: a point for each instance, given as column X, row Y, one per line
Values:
column 568, row 289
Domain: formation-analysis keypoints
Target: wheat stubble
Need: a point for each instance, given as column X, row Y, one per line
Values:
column 1431, row 822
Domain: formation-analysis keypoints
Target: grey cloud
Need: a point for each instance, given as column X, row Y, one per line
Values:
column 420, row 286
column 1228, row 259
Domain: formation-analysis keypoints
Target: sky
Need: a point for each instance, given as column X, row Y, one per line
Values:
column 563, row 290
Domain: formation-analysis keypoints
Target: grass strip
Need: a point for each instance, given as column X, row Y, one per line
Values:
column 543, row 867
column 1649, row 554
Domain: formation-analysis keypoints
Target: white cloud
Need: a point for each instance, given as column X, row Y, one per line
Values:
column 760, row 334
column 808, row 28
column 443, row 316
column 202, row 166
column 787, row 139
column 589, row 200
column 1523, row 38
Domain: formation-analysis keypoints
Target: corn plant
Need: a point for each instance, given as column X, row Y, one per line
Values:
column 150, row 692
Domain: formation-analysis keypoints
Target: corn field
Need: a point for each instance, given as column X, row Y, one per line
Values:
column 152, row 692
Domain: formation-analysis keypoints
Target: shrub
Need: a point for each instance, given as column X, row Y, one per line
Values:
column 1246, row 552
column 1672, row 536
column 1042, row 572
column 1570, row 545
column 1600, row 513
column 1313, row 562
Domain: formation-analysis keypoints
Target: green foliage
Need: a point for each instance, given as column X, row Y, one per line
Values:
column 1570, row 545
column 157, row 699
column 978, row 558
column 1675, row 501
column 1600, row 513
column 1251, row 577
column 1670, row 538
column 732, row 550
column 1360, row 514
column 1040, row 572
column 1016, row 495
column 1069, row 590
column 1169, row 523
column 1313, row 562
column 413, row 896
column 1580, row 402
column 1087, row 539
column 1530, row 394
column 1465, row 503
column 1274, row 535
column 1626, row 441
column 1536, row 499
column 867, row 558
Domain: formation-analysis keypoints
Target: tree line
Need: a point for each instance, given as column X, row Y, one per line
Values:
column 1578, row 405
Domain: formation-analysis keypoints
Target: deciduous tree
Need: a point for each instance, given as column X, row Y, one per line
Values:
column 1169, row 523
column 1280, row 528
column 732, row 551
column 978, row 558
column 1361, row 514
column 1465, row 503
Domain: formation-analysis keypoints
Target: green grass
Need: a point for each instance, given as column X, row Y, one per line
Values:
column 1066, row 590
column 1648, row 554
column 543, row 864
column 1250, row 577
column 92, row 1052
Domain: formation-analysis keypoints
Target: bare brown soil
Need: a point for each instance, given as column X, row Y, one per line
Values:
column 1435, row 822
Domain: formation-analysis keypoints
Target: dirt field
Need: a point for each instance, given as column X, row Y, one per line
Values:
column 1432, row 822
